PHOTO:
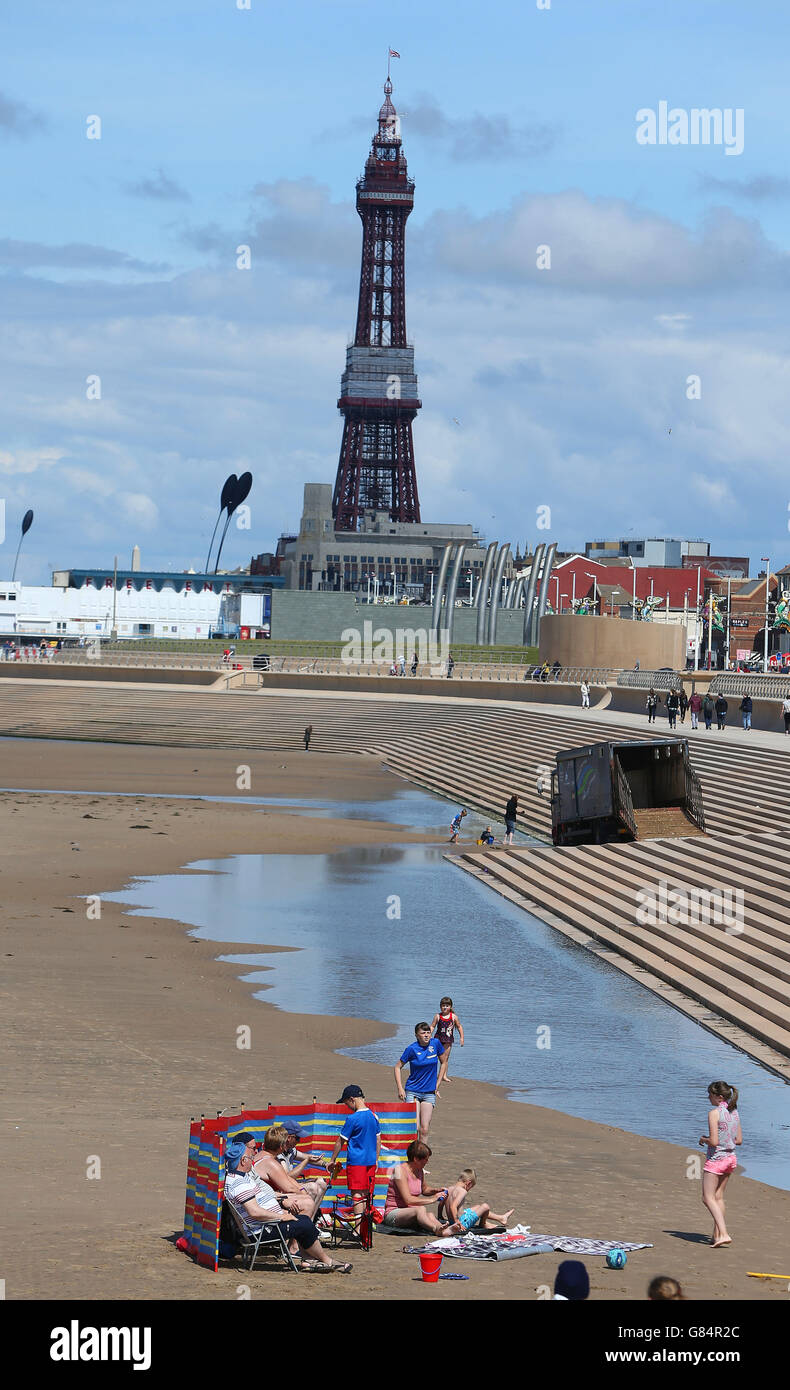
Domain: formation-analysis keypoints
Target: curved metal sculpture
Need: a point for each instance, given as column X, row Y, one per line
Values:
column 496, row 590
column 439, row 591
column 515, row 591
column 482, row 592
column 544, row 586
column 27, row 522
column 529, row 600
column 452, row 590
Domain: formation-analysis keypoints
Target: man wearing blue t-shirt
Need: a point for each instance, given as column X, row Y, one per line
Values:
column 422, row 1057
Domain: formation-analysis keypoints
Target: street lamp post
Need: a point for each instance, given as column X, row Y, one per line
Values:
column 710, row 621
column 696, row 624
column 767, row 563
column 557, row 582
column 594, row 579
column 573, row 595
column 729, row 588
column 633, row 610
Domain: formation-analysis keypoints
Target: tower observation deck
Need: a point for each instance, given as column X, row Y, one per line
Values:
column 378, row 389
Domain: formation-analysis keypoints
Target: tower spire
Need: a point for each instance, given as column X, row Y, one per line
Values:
column 378, row 391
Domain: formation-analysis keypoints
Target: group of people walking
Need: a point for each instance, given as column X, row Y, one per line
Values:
column 678, row 704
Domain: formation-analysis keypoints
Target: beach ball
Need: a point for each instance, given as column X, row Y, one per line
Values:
column 615, row 1259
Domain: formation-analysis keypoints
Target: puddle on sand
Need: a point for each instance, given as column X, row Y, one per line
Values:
column 618, row 1054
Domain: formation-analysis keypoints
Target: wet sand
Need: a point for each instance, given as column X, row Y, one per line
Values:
column 116, row 1030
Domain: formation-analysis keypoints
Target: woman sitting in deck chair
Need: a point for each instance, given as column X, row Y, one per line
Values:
column 304, row 1198
column 257, row 1205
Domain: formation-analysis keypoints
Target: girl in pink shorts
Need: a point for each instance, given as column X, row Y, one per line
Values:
column 724, row 1133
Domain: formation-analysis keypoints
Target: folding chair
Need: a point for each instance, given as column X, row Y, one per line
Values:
column 350, row 1227
column 269, row 1239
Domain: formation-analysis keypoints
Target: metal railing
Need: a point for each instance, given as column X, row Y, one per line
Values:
column 622, row 799
column 650, row 680
column 759, row 687
column 694, row 802
column 499, row 670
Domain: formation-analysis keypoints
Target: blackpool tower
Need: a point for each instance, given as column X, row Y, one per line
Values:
column 378, row 389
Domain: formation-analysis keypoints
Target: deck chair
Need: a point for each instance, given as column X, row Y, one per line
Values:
column 270, row 1239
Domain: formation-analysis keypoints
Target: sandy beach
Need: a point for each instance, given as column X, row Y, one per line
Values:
column 116, row 1030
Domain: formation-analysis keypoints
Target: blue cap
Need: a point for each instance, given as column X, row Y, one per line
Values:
column 234, row 1152
column 293, row 1127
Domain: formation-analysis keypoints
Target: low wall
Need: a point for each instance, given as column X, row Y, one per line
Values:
column 524, row 692
column 103, row 671
column 616, row 642
column 766, row 714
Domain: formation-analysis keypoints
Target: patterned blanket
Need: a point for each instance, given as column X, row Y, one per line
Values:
column 520, row 1242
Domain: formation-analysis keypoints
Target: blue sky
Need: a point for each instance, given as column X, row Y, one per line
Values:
column 223, row 127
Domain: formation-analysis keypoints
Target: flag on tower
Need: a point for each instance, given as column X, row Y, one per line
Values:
column 394, row 53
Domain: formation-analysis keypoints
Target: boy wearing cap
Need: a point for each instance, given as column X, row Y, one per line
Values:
column 362, row 1133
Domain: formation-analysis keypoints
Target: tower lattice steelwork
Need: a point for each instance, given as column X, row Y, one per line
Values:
column 378, row 390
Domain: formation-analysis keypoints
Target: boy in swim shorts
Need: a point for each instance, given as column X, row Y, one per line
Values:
column 464, row 1219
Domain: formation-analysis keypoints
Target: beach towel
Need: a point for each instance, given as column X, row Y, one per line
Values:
column 518, row 1242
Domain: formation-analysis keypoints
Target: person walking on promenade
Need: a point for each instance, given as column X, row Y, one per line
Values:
column 455, row 825
column 652, row 705
column 443, row 1026
column 414, row 664
column 511, row 811
column 707, row 710
column 724, row 1133
column 585, row 690
column 786, row 713
column 450, row 666
column 684, row 704
column 423, row 1058
column 721, row 711
column 401, row 666
column 672, row 708
column 308, row 734
column 746, row 711
column 695, row 705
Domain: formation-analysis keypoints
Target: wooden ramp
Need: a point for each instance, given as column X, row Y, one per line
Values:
column 664, row 823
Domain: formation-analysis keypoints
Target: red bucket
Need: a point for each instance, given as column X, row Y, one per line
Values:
column 430, row 1263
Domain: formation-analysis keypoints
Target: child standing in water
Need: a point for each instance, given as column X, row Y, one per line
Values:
column 724, row 1133
column 443, row 1026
